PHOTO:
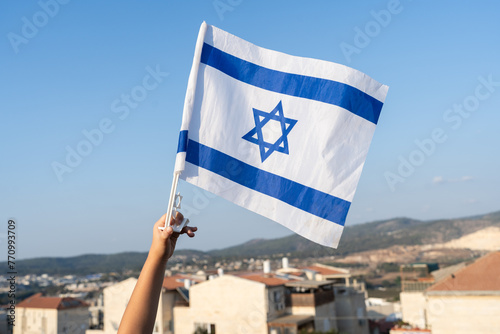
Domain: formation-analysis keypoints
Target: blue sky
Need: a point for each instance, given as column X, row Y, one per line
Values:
column 65, row 64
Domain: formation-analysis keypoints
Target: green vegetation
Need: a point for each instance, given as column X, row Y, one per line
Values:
column 346, row 265
column 388, row 267
column 82, row 265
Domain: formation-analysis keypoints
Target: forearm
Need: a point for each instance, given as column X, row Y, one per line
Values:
column 140, row 314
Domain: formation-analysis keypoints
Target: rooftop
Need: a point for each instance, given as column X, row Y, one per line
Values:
column 58, row 303
column 308, row 284
column 481, row 275
column 267, row 279
column 447, row 271
column 326, row 270
column 177, row 281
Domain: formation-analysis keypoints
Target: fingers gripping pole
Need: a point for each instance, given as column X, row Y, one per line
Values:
column 174, row 203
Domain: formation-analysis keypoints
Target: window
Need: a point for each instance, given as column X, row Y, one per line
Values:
column 204, row 328
column 277, row 296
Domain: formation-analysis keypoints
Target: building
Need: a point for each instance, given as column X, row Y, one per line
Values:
column 467, row 301
column 351, row 312
column 255, row 302
column 115, row 300
column 271, row 303
column 313, row 298
column 462, row 299
column 116, row 297
column 415, row 279
column 232, row 304
column 175, row 292
column 321, row 272
column 38, row 314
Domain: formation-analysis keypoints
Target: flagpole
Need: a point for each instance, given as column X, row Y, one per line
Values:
column 186, row 115
column 171, row 201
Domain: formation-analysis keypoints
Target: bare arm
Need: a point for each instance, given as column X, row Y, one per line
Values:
column 140, row 314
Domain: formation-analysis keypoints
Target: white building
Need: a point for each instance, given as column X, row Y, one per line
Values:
column 231, row 304
column 115, row 300
column 321, row 272
column 54, row 315
column 314, row 298
column 269, row 303
column 467, row 300
column 117, row 296
column 265, row 303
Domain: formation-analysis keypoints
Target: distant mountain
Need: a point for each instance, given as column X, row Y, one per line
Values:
column 365, row 237
column 83, row 264
column 357, row 238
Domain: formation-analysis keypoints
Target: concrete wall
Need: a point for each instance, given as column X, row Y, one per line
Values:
column 325, row 318
column 413, row 305
column 463, row 314
column 74, row 320
column 35, row 321
column 167, row 301
column 275, row 302
column 350, row 309
column 234, row 305
column 116, row 298
column 305, row 310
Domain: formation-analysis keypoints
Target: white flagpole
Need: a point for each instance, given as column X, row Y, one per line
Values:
column 186, row 116
column 171, row 200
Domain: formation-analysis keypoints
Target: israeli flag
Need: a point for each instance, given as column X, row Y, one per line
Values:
column 280, row 135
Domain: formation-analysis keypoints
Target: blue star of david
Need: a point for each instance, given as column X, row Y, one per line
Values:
column 261, row 119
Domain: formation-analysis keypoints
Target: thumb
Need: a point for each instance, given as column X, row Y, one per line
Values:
column 171, row 234
column 169, row 230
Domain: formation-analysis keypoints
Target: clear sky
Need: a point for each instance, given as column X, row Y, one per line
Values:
column 64, row 67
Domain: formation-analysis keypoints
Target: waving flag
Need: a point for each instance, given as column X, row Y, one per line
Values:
column 280, row 135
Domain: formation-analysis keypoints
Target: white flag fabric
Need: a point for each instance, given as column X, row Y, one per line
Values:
column 283, row 136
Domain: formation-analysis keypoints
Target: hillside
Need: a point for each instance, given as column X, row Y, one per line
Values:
column 372, row 236
column 94, row 263
column 485, row 239
column 366, row 237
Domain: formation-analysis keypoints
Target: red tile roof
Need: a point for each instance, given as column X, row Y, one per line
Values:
column 325, row 271
column 267, row 279
column 176, row 281
column 482, row 275
column 59, row 303
column 172, row 282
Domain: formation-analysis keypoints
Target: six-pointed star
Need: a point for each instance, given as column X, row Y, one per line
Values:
column 261, row 119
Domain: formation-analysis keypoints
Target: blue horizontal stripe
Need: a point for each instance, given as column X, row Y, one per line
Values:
column 183, row 141
column 302, row 197
column 323, row 90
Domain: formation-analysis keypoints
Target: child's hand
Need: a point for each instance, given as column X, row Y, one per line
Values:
column 164, row 241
